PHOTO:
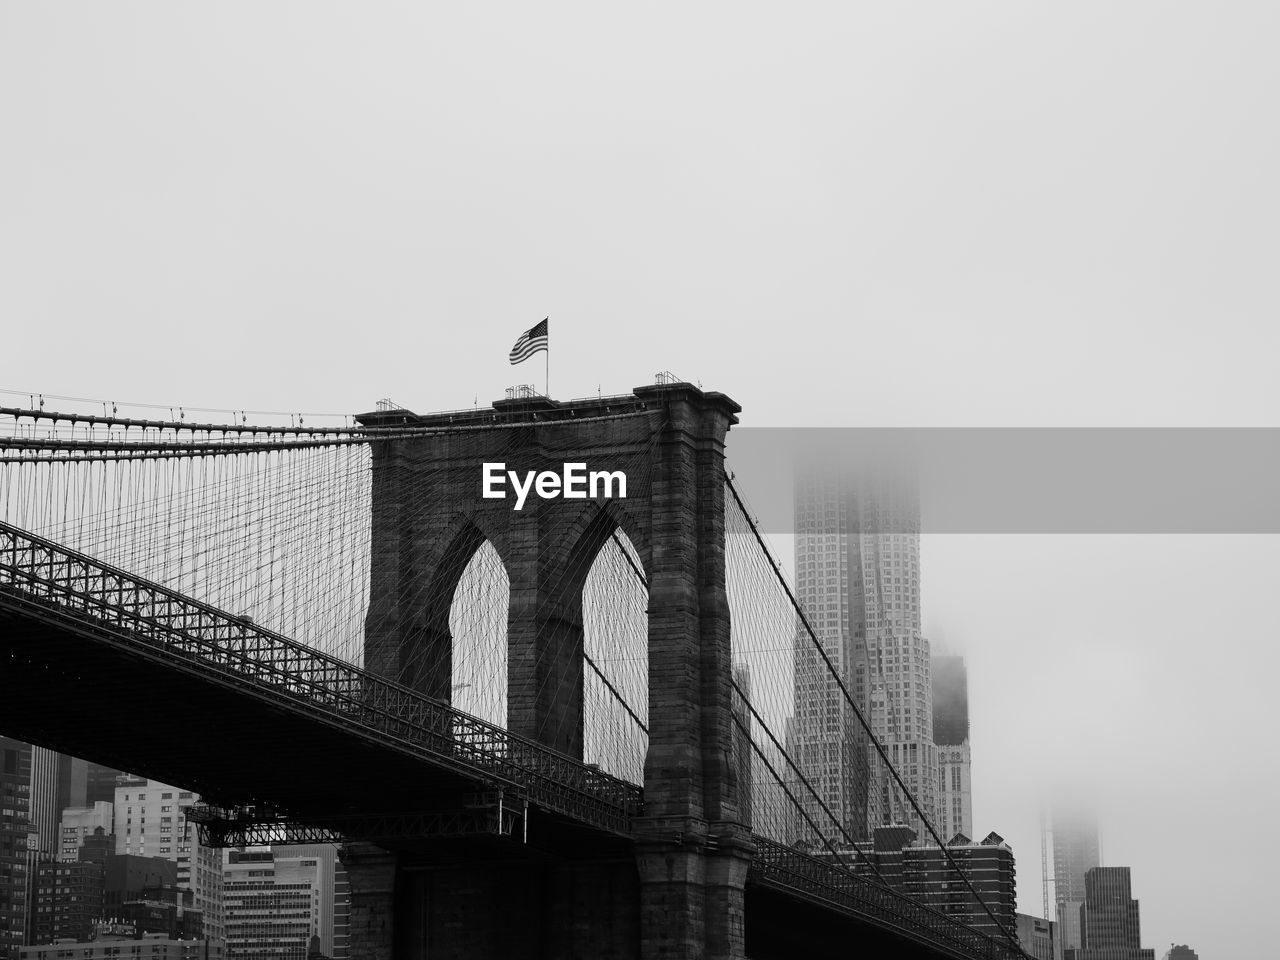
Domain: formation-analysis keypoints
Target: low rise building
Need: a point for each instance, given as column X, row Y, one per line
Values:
column 118, row 941
column 1038, row 936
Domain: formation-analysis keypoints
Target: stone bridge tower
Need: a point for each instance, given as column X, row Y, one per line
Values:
column 690, row 851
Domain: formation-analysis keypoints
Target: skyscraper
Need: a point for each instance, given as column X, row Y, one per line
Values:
column 858, row 581
column 28, row 832
column 73, row 782
column 15, row 829
column 100, row 784
column 1109, row 928
column 951, row 736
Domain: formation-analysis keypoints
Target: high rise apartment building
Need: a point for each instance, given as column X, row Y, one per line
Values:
column 858, row 581
column 150, row 820
column 15, row 831
column 28, row 834
column 45, row 812
column 989, row 867
column 951, row 736
column 68, row 900
column 928, row 874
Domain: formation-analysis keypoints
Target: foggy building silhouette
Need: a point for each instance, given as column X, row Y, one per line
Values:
column 1076, row 850
column 951, row 736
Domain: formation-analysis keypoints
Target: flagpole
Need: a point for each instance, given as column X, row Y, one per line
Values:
column 547, row 382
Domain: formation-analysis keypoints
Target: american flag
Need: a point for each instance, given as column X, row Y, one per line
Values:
column 530, row 342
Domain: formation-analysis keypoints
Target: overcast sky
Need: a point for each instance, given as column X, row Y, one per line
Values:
column 941, row 214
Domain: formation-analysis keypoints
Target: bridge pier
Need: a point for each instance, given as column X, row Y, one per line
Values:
column 725, row 894
column 372, row 874
column 456, row 906
column 692, row 895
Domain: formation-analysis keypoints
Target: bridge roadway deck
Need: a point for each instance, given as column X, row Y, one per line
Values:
column 243, row 708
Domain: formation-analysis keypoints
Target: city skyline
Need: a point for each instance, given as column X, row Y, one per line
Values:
column 992, row 215
column 101, row 879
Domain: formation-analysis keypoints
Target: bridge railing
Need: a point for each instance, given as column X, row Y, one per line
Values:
column 799, row 874
column 60, row 584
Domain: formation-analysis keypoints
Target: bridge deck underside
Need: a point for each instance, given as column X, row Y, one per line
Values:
column 233, row 743
column 236, row 744
column 783, row 926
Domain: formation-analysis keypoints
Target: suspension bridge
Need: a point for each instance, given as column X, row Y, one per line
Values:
column 567, row 730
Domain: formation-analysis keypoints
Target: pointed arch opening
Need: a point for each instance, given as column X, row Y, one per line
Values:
column 455, row 647
column 478, row 627
column 615, row 618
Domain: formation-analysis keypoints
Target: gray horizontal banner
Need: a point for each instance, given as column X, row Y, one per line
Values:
column 1018, row 480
